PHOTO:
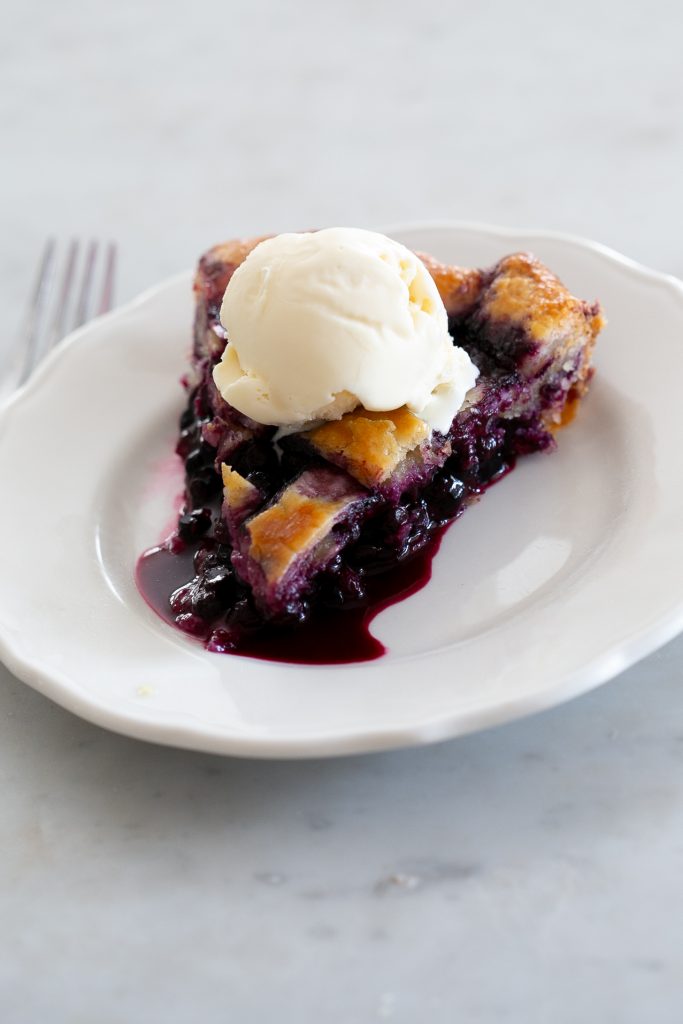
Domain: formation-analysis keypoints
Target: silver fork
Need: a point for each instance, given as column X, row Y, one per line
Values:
column 61, row 301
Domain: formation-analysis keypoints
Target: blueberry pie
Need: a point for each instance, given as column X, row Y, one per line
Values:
column 347, row 399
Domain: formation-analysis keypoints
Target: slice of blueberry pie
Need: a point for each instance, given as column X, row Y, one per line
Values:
column 347, row 399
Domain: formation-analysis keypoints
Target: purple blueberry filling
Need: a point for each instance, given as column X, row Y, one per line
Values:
column 218, row 607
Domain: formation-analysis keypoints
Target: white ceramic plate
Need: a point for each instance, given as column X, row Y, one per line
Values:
column 567, row 571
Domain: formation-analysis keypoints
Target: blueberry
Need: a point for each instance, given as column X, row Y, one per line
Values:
column 209, row 557
column 243, row 615
column 202, row 487
column 205, row 602
column 420, row 516
column 295, row 613
column 344, row 589
column 259, row 458
column 397, row 517
column 446, row 495
column 180, row 600
column 215, row 591
column 221, row 579
column 201, row 407
column 175, row 545
column 490, row 443
column 198, row 459
column 333, row 596
column 223, row 640
column 262, row 481
column 186, row 442
column 203, row 556
column 191, row 624
column 186, row 419
column 354, row 591
column 335, row 565
column 417, row 542
column 191, row 525
column 372, row 558
column 360, row 556
column 398, row 555
column 354, row 531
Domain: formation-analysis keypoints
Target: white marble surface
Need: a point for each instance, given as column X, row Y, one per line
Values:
column 530, row 874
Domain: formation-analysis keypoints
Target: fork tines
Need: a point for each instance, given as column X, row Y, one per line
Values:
column 62, row 300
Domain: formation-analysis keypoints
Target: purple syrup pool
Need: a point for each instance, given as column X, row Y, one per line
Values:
column 329, row 637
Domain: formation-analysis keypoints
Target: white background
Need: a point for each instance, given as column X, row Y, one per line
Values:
column 530, row 874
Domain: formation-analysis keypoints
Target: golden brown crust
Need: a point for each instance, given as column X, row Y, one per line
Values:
column 233, row 252
column 219, row 263
column 237, row 492
column 556, row 420
column 370, row 444
column 459, row 287
column 293, row 525
column 523, row 292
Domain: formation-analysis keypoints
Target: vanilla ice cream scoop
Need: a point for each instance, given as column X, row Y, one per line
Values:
column 321, row 322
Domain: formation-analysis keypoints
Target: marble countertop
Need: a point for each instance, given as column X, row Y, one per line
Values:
column 532, row 873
